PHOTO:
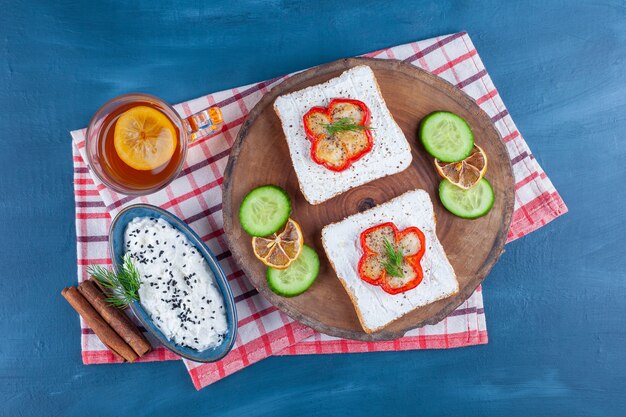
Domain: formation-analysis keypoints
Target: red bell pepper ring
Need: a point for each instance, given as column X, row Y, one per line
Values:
column 374, row 257
column 339, row 151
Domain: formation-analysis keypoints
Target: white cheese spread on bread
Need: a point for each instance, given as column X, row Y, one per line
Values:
column 375, row 307
column 390, row 153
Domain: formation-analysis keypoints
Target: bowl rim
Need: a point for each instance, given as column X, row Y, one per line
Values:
column 207, row 254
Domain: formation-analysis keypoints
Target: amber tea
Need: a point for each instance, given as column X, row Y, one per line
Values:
column 130, row 150
column 136, row 143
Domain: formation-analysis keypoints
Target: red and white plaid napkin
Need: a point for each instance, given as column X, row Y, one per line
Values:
column 196, row 198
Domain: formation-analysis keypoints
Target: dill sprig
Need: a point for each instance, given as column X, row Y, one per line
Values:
column 344, row 124
column 393, row 265
column 123, row 286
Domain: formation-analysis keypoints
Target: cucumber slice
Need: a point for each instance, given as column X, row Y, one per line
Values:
column 298, row 276
column 264, row 210
column 446, row 136
column 468, row 204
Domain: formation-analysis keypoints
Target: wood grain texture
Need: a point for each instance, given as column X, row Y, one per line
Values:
column 260, row 155
column 555, row 301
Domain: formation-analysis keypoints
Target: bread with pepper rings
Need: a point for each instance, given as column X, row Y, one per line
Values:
column 341, row 135
column 424, row 274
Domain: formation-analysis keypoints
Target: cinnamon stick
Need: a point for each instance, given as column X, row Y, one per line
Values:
column 117, row 319
column 100, row 327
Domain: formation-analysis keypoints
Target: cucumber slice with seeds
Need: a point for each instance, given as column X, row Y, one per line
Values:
column 446, row 136
column 298, row 276
column 468, row 204
column 264, row 210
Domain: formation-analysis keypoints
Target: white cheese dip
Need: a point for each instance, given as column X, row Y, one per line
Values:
column 177, row 288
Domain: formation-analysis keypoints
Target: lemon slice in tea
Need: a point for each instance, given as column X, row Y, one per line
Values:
column 144, row 138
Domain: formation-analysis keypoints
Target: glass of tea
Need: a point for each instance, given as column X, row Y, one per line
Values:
column 137, row 143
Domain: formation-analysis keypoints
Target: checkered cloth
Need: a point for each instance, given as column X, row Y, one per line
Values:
column 195, row 196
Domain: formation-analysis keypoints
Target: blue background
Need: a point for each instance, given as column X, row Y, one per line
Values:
column 555, row 303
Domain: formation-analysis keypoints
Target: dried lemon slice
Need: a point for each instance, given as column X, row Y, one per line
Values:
column 466, row 173
column 280, row 249
column 144, row 138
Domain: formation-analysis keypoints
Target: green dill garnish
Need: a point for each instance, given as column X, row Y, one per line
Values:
column 393, row 265
column 343, row 125
column 122, row 286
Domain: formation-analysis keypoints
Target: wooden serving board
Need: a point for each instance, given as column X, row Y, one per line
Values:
column 260, row 156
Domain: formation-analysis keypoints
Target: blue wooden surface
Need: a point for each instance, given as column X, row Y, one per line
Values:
column 555, row 303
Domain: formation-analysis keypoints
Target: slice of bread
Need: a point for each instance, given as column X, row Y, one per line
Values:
column 375, row 307
column 390, row 154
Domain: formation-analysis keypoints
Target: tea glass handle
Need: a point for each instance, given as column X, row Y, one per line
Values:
column 204, row 123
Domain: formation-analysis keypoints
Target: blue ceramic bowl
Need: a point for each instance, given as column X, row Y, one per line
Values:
column 116, row 247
